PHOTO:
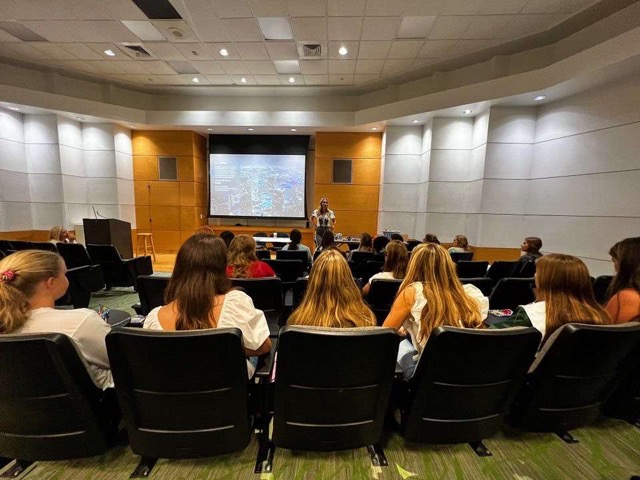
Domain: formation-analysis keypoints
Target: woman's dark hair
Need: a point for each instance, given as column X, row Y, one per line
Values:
column 627, row 254
column 328, row 240
column 379, row 243
column 397, row 236
column 198, row 276
column 431, row 238
column 296, row 238
column 227, row 236
column 534, row 243
column 365, row 241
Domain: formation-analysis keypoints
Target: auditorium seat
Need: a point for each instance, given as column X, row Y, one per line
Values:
column 512, row 292
column 501, row 269
column 572, row 376
column 263, row 254
column 266, row 294
column 469, row 269
column 357, row 257
column 412, row 243
column 301, row 255
column 82, row 282
column 74, row 255
column 151, row 292
column 299, row 290
column 48, row 246
column 182, row 394
column 381, row 296
column 119, row 272
column 484, row 284
column 601, row 287
column 457, row 256
column 368, row 269
column 21, row 245
column 51, row 410
column 525, row 269
column 5, row 245
column 288, row 271
column 464, row 384
column 624, row 403
column 332, row 388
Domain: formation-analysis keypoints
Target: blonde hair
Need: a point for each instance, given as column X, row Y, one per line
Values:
column 332, row 298
column 447, row 302
column 20, row 273
column 462, row 242
column 242, row 253
column 563, row 283
column 54, row 233
column 396, row 257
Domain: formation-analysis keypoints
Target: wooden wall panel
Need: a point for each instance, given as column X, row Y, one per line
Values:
column 348, row 197
column 185, row 169
column 364, row 171
column 165, row 193
column 353, row 223
column 348, row 145
column 171, row 143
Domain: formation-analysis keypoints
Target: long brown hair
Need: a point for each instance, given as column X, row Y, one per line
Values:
column 563, row 283
column 198, row 277
column 462, row 242
column 396, row 258
column 366, row 243
column 627, row 253
column 332, row 298
column 447, row 302
column 322, row 211
column 242, row 253
column 20, row 274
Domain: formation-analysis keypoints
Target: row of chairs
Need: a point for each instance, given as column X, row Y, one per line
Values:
column 332, row 390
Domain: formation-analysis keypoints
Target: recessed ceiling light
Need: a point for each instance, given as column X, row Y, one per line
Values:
column 294, row 129
column 243, row 80
column 15, row 109
column 343, row 51
column 467, row 111
column 374, row 128
column 210, row 129
column 195, row 80
column 224, row 52
column 249, row 129
column 292, row 80
column 110, row 52
column 132, row 126
column 539, row 98
column 415, row 121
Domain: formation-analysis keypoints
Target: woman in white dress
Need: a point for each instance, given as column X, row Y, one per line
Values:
column 323, row 220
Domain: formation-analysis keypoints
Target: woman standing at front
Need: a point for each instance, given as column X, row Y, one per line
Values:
column 323, row 220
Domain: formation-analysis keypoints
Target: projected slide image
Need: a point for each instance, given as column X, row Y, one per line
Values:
column 257, row 185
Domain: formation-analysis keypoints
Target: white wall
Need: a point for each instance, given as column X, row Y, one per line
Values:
column 53, row 169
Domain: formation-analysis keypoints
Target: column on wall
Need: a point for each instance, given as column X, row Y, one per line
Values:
column 74, row 181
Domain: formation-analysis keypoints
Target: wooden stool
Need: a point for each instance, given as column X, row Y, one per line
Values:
column 148, row 242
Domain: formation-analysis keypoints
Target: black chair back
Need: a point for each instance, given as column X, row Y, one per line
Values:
column 484, row 284
column 266, row 294
column 22, row 245
column 469, row 269
column 301, row 255
column 412, row 243
column 74, row 255
column 572, row 376
column 358, row 257
column 527, row 269
column 600, row 288
column 459, row 399
column 457, row 256
column 381, row 296
column 624, row 403
column 511, row 292
column 182, row 394
column 287, row 270
column 48, row 246
column 82, row 282
column 332, row 387
column 299, row 290
column 2, row 254
column 263, row 254
column 5, row 245
column 501, row 269
column 117, row 271
column 50, row 408
column 368, row 269
column 151, row 292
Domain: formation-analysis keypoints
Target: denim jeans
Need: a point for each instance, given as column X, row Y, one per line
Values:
column 406, row 352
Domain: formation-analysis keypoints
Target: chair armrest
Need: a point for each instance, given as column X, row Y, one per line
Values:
column 266, row 362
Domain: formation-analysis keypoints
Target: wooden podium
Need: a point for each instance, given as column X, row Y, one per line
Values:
column 109, row 231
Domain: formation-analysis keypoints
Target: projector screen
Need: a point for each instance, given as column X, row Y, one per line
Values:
column 256, row 185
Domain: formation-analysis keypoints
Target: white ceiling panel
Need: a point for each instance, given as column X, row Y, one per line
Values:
column 502, row 7
column 463, row 7
column 137, row 79
column 82, row 31
column 401, row 49
column 214, row 50
column 342, row 8
column 213, row 30
column 176, row 30
column 364, row 78
column 316, row 79
column 244, row 29
column 314, row 67
column 35, row 10
column 144, row 30
column 87, row 9
column 380, row 28
column 369, row 67
column 436, row 48
column 79, row 65
column 261, row 67
column 252, row 51
column 234, row 67
column 395, row 66
column 188, row 79
column 243, row 79
column 132, row 67
column 284, row 79
column 449, row 28
column 374, row 50
column 287, row 66
column 208, row 67
column 463, row 47
column 170, row 80
column 486, row 27
column 345, row 28
column 415, row 27
column 342, row 67
column 219, row 79
column 384, row 8
column 269, row 8
column 307, row 8
column 82, row 51
column 100, row 48
column 423, row 8
column 340, row 79
column 231, row 8
column 54, row 51
column 105, row 67
column 118, row 9
column 282, row 50
column 6, row 37
column 56, row 31
column 164, row 51
column 267, row 79
column 22, row 50
column 158, row 68
column 310, row 28
column 351, row 46
column 194, row 51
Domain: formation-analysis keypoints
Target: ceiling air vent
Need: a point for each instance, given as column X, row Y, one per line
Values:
column 312, row 50
column 136, row 51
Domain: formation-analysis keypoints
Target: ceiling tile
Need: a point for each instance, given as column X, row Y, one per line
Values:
column 384, row 8
column 188, row 79
column 170, row 80
column 252, row 51
column 231, row 8
column 405, row 49
column 82, row 31
column 342, row 8
column 463, row 47
column 79, row 65
column 450, row 27
column 269, row 8
column 176, row 30
column 120, row 9
column 369, row 66
column 436, row 48
column 158, row 68
column 307, row 8
column 275, row 28
column 194, row 51
column 364, row 78
column 380, row 28
column 314, row 67
column 219, row 79
column 132, row 67
column 395, row 66
column 234, row 67
column 82, row 51
column 486, row 27
column 248, row 79
column 100, row 48
column 261, row 67
column 463, row 7
column 182, row 66
column 35, row 10
column 105, row 67
column 351, row 46
column 342, row 67
column 87, row 9
column 316, row 79
column 523, row 25
column 556, row 6
column 282, row 50
column 287, row 66
column 502, row 7
column 144, row 30
column 310, row 28
column 267, row 79
column 284, row 79
column 415, row 27
column 137, row 79
column 54, row 51
column 214, row 50
column 345, row 28
column 340, row 79
column 374, row 50
column 213, row 30
column 209, row 67
column 22, row 50
column 5, row 37
column 420, row 7
column 164, row 51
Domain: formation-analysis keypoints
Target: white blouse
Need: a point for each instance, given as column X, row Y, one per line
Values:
column 237, row 311
column 537, row 313
column 381, row 276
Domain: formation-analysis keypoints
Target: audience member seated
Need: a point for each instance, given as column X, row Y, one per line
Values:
column 432, row 296
column 564, row 294
column 60, row 234
column 624, row 291
column 366, row 245
column 227, row 236
column 328, row 243
column 332, row 298
column 379, row 244
column 397, row 236
column 243, row 262
column 30, row 283
column 431, row 238
column 199, row 296
column 460, row 244
column 530, row 249
column 296, row 239
column 396, row 257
